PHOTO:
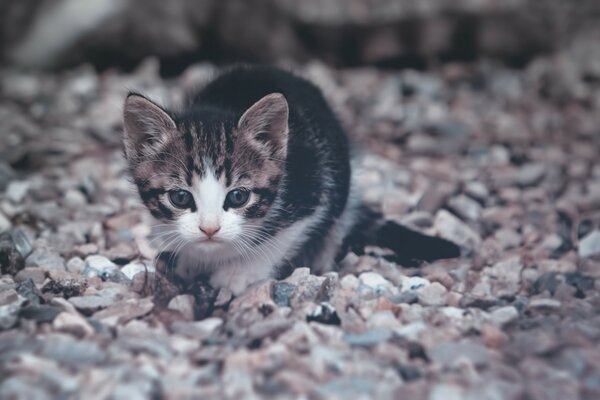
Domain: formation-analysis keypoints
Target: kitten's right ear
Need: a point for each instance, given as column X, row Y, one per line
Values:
column 145, row 124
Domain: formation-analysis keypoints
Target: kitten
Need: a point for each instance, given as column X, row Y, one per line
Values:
column 252, row 179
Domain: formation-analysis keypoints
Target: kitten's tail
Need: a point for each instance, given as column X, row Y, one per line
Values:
column 411, row 248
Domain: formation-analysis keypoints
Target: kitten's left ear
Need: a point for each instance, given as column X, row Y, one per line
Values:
column 145, row 124
column 266, row 122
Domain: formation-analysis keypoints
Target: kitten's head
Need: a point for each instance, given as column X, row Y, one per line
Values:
column 209, row 175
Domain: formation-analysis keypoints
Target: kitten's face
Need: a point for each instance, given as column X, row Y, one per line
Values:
column 211, row 177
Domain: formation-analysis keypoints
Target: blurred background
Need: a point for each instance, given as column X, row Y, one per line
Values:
column 421, row 34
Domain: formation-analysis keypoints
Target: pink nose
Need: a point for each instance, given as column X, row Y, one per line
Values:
column 210, row 230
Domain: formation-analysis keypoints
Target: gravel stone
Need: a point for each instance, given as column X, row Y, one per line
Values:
column 451, row 228
column 45, row 259
column 589, row 246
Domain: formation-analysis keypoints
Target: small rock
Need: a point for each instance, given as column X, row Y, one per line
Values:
column 477, row 190
column 198, row 329
column 21, row 242
column 8, row 296
column 124, row 311
column 72, row 323
column 433, row 295
column 11, row 261
column 504, row 315
column 29, row 291
column 184, row 304
column 445, row 391
column 133, row 268
column 507, row 238
column 122, row 253
column 373, row 283
column 103, row 268
column 17, row 190
column 282, row 292
column 580, row 282
column 531, row 174
column 465, row 207
column 38, row 276
column 74, row 199
column 90, row 304
column 369, row 338
column 224, row 297
column 5, row 223
column 40, row 312
column 76, row 265
column 45, row 259
column 546, row 304
column 589, row 246
column 451, row 353
column 9, row 315
column 453, row 229
column 410, row 283
column 85, row 250
column 505, row 277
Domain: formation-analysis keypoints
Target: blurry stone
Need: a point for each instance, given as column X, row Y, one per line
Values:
column 504, row 315
column 102, row 267
column 90, row 304
column 9, row 315
column 45, row 259
column 446, row 391
column 589, row 246
column 477, row 190
column 122, row 253
column 271, row 328
column 8, row 296
column 369, row 338
column 38, row 276
column 373, row 283
column 39, row 312
column 223, row 298
column 507, row 238
column 124, row 311
column 582, row 283
column 72, row 352
column 505, row 277
column 85, row 250
column 254, row 297
column 5, row 223
column 413, row 283
column 201, row 329
column 75, row 265
column 184, row 304
column 72, row 323
column 134, row 268
column 465, row 207
column 17, row 190
column 29, row 291
column 433, row 295
column 544, row 304
column 531, row 174
column 451, row 353
column 282, row 292
column 11, row 260
column 74, row 199
column 21, row 241
column 451, row 228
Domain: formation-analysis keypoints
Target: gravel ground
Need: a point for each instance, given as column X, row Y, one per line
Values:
column 504, row 163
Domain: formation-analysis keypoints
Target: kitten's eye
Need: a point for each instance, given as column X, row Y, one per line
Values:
column 181, row 198
column 237, row 198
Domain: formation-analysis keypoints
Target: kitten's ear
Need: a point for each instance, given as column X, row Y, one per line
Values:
column 266, row 122
column 145, row 124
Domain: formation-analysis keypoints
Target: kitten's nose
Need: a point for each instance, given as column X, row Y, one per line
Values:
column 210, row 230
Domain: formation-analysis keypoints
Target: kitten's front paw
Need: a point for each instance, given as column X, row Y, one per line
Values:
column 233, row 279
